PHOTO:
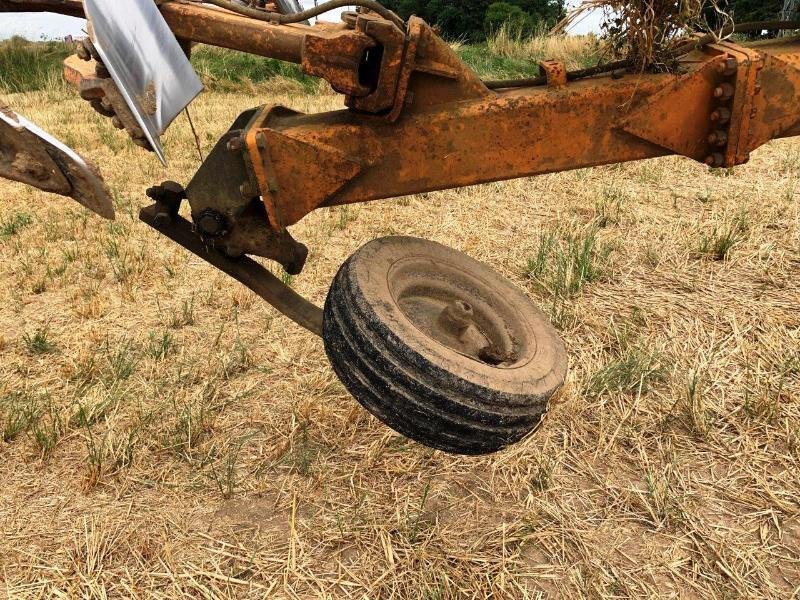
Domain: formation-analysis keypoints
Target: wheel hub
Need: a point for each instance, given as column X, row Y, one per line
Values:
column 454, row 309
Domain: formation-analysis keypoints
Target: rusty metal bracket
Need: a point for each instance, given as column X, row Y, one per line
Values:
column 555, row 71
column 337, row 56
column 244, row 270
column 741, row 99
column 775, row 109
column 679, row 117
column 294, row 176
column 382, row 66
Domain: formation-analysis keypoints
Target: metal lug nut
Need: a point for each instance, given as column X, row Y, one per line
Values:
column 721, row 116
column 728, row 67
column 82, row 52
column 211, row 223
column 724, row 92
column 718, row 138
column 247, row 191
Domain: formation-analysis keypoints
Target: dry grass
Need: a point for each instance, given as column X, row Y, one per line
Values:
column 574, row 51
column 167, row 434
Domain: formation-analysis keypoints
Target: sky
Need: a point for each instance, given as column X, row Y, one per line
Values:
column 37, row 26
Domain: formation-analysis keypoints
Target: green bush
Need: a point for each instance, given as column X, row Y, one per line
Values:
column 467, row 20
column 744, row 11
column 30, row 66
column 502, row 14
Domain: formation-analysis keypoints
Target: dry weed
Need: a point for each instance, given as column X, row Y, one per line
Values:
column 166, row 434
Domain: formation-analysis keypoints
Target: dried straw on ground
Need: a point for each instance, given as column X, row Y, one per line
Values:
column 186, row 440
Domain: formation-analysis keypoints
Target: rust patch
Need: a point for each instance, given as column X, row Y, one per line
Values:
column 149, row 101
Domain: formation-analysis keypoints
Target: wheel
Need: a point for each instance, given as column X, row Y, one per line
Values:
column 440, row 347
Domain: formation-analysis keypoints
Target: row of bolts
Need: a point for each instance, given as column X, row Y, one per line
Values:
column 722, row 114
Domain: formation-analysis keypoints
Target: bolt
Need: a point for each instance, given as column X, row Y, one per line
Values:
column 728, row 67
column 155, row 193
column 721, row 116
column 235, row 144
column 718, row 138
column 82, row 52
column 724, row 92
column 247, row 191
column 715, row 160
column 456, row 317
column 211, row 223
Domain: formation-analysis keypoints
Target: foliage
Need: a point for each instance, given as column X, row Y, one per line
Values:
column 473, row 20
column 743, row 11
column 507, row 54
column 643, row 32
column 30, row 66
column 505, row 13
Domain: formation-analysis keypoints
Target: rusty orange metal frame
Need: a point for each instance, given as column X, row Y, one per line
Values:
column 418, row 119
column 446, row 129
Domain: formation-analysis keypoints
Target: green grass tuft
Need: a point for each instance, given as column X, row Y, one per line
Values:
column 30, row 66
column 13, row 224
column 564, row 265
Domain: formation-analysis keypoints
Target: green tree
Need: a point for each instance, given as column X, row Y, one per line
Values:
column 744, row 11
column 505, row 13
column 467, row 19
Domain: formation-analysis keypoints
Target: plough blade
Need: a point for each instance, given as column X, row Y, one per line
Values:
column 30, row 155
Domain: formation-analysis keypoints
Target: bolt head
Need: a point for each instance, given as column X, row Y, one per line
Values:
column 718, row 138
column 247, row 192
column 235, row 144
column 83, row 53
column 728, row 67
column 211, row 223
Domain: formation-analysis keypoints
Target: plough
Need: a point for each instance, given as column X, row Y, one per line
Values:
column 436, row 345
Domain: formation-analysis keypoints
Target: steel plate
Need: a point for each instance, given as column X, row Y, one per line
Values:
column 146, row 62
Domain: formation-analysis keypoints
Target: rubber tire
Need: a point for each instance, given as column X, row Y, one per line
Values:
column 421, row 388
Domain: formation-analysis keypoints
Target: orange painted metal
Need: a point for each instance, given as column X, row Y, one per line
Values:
column 419, row 119
column 447, row 130
column 554, row 71
column 73, row 8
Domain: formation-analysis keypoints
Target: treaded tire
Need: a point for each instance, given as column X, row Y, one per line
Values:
column 415, row 384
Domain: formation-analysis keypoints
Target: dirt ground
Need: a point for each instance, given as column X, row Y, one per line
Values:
column 165, row 433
